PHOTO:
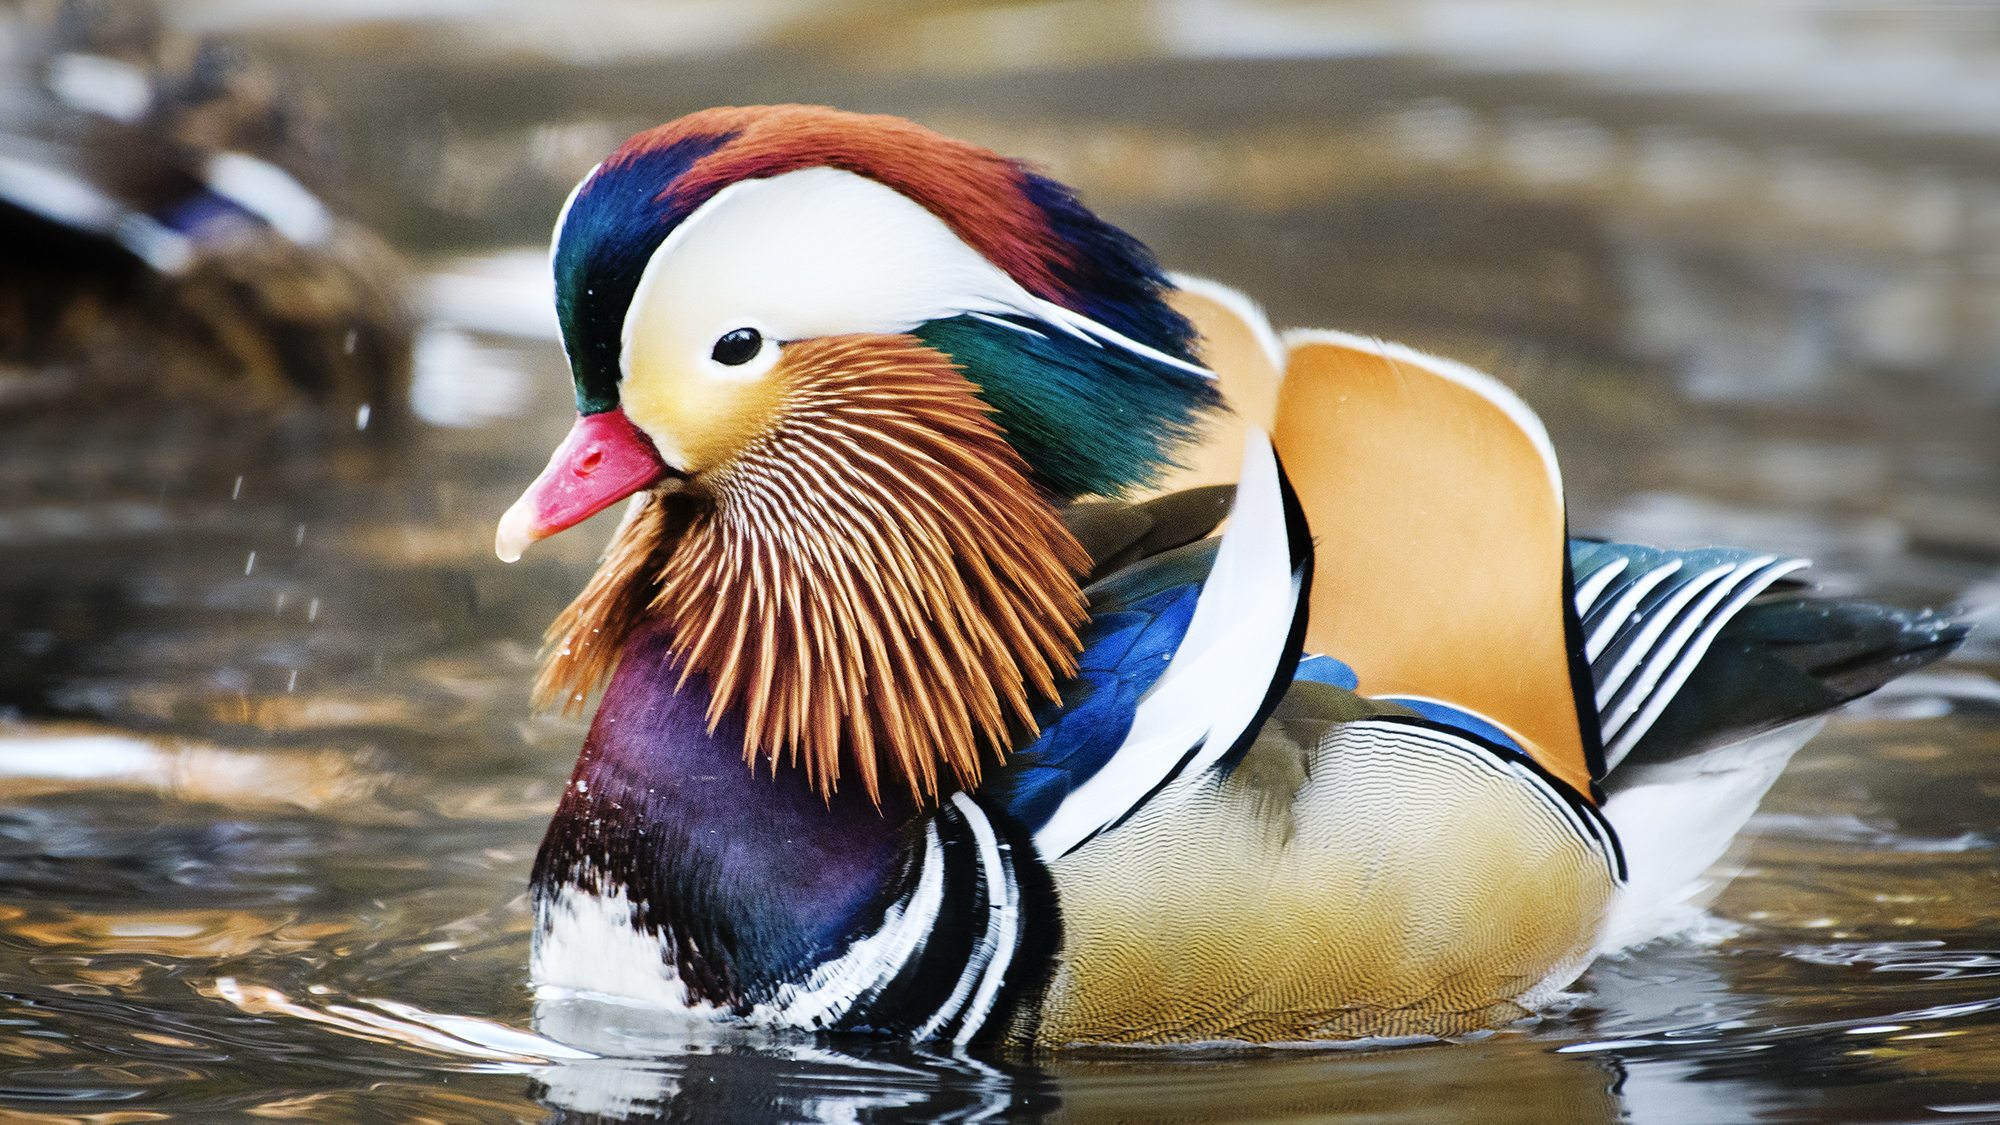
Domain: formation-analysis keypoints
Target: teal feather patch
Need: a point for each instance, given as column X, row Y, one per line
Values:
column 1089, row 418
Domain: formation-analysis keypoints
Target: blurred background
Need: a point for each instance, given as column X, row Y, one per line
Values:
column 1739, row 252
column 276, row 349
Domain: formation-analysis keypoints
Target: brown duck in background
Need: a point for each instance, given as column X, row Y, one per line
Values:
column 159, row 242
column 198, row 361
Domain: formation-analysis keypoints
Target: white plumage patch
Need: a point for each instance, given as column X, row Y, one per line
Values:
column 1676, row 820
column 817, row 252
column 595, row 945
column 1218, row 678
column 591, row 944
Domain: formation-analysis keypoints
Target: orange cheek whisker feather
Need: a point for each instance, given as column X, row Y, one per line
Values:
column 874, row 573
column 583, row 642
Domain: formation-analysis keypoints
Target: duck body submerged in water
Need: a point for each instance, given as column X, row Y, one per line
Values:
column 906, row 730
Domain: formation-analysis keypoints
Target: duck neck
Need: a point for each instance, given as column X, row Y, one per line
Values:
column 735, row 880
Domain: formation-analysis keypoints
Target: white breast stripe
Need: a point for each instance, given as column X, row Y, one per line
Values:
column 870, row 962
column 988, row 948
column 1218, row 677
column 1003, row 917
column 593, row 944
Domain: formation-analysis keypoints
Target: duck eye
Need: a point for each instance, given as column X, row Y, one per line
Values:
column 738, row 347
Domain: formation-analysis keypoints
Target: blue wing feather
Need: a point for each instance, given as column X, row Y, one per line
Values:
column 1138, row 618
column 1321, row 669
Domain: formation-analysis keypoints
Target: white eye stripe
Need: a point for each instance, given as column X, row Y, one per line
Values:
column 817, row 252
column 824, row 252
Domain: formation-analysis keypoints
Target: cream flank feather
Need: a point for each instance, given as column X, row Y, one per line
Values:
column 873, row 572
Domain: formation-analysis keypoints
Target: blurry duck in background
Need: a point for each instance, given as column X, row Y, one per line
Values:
column 908, row 728
column 156, row 243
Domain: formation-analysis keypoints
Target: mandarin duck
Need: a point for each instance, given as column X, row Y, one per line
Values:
column 909, row 726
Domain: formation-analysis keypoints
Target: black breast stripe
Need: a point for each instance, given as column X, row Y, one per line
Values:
column 992, row 946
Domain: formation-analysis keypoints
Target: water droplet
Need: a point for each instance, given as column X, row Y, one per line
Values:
column 292, row 684
column 361, row 417
column 312, row 611
column 299, row 538
column 237, row 492
column 347, row 345
column 251, row 564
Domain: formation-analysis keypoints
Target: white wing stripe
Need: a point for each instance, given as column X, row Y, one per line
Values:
column 1623, row 607
column 1218, row 677
column 1678, row 628
column 1656, row 623
column 1586, row 594
column 1690, row 656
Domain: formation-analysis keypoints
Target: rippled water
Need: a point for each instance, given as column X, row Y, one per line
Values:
column 269, row 786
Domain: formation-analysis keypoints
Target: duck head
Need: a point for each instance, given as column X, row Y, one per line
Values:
column 852, row 366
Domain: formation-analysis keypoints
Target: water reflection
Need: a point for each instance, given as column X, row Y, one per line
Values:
column 742, row 1084
column 708, row 1076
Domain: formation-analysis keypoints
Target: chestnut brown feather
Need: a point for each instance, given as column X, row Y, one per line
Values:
column 873, row 570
